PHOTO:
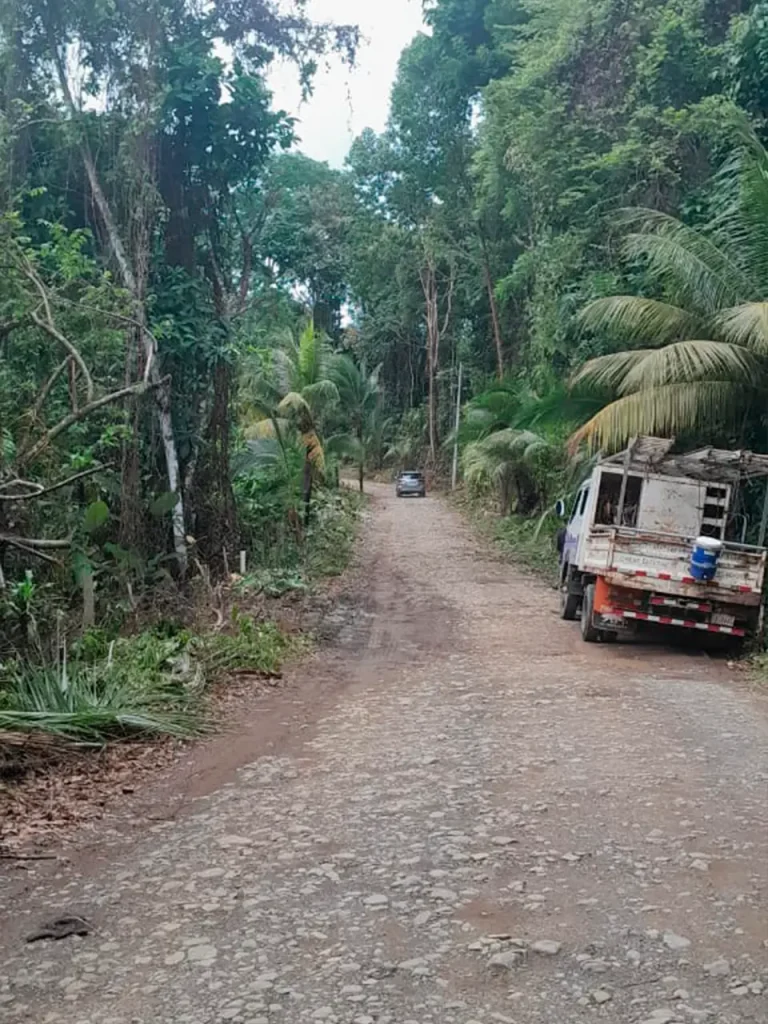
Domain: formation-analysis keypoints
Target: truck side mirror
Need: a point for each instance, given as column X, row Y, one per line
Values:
column 560, row 509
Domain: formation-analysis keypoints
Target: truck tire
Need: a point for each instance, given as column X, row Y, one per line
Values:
column 589, row 634
column 569, row 602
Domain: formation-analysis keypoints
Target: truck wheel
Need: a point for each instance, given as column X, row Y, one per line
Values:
column 569, row 602
column 588, row 632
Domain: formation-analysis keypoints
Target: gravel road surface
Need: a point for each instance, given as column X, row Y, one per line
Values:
column 465, row 816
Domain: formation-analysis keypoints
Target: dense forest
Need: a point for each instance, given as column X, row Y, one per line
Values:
column 200, row 325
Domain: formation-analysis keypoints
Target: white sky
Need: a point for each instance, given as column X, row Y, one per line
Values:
column 345, row 102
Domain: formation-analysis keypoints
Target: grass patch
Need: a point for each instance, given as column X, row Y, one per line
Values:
column 332, row 533
column 257, row 647
column 528, row 542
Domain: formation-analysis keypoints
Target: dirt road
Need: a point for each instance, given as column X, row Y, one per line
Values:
column 467, row 815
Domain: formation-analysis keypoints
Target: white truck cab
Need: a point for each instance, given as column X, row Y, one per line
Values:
column 629, row 550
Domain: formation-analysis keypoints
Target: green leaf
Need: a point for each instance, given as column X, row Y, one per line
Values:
column 82, row 567
column 164, row 504
column 96, row 515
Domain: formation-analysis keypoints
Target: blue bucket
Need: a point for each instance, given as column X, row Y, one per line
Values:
column 705, row 558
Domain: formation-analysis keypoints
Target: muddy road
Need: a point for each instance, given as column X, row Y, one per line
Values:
column 456, row 813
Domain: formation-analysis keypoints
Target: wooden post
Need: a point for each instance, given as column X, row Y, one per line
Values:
column 764, row 521
column 455, row 471
column 624, row 482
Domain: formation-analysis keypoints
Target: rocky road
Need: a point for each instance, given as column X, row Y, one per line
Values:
column 465, row 815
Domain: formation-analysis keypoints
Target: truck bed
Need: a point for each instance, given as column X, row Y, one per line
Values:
column 661, row 562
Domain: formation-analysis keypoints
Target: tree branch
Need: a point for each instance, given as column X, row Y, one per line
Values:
column 75, row 417
column 36, row 542
column 100, row 200
column 74, row 355
column 150, row 350
column 451, row 287
column 49, row 326
column 45, row 390
column 54, row 487
column 245, row 274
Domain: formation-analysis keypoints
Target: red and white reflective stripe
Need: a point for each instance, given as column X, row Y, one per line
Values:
column 667, row 620
column 650, row 574
column 669, row 602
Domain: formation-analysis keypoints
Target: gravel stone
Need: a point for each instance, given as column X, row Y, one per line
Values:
column 546, row 947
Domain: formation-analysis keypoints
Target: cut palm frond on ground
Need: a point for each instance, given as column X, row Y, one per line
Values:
column 91, row 705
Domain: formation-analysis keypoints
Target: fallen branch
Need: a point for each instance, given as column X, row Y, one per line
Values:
column 18, row 543
column 35, row 542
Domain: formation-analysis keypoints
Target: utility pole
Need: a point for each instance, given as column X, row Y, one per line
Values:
column 455, row 472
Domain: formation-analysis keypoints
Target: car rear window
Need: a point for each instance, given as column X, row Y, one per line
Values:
column 411, row 476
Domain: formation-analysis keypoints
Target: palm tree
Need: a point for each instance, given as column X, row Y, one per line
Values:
column 359, row 398
column 514, row 438
column 295, row 397
column 510, row 460
column 697, row 354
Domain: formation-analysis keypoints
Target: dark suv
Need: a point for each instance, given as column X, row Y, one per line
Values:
column 411, row 483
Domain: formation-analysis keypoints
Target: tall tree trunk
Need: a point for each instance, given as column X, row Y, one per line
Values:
column 215, row 499
column 429, row 286
column 130, row 470
column 436, row 331
column 307, row 489
column 494, row 311
column 361, row 464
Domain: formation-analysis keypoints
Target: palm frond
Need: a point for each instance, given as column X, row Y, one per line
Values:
column 609, row 372
column 286, row 372
column 690, row 361
column 632, row 318
column 322, row 392
column 344, row 446
column 500, row 452
column 309, row 355
column 295, row 404
column 265, row 427
column 91, row 705
column 742, row 223
column 663, row 411
column 258, row 455
column 704, row 273
column 746, row 325
column 684, row 271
